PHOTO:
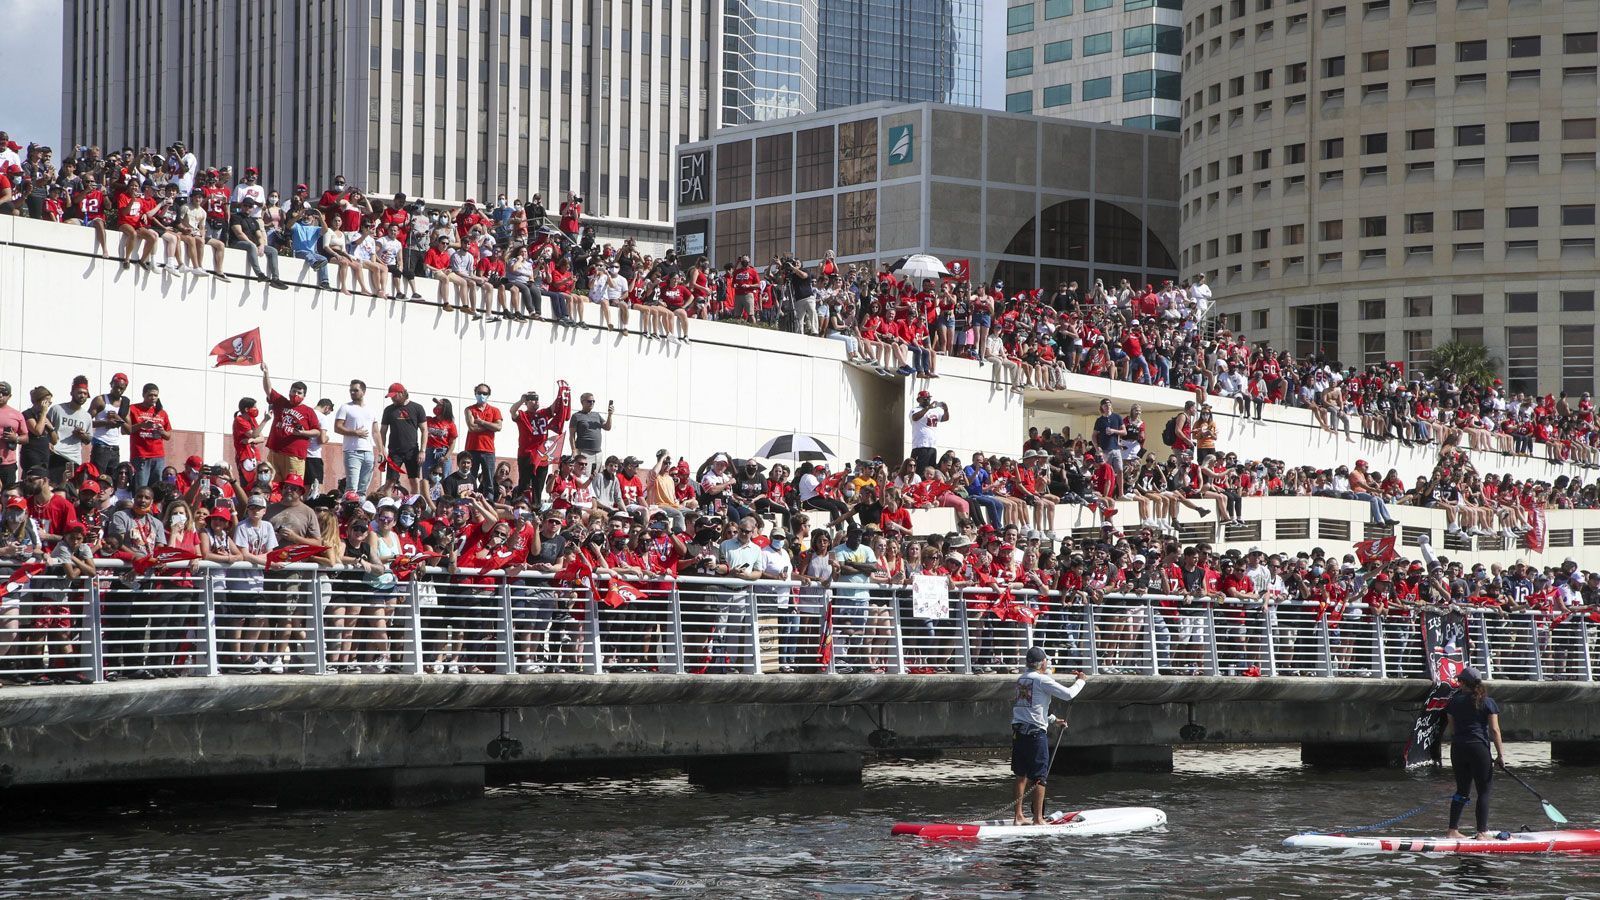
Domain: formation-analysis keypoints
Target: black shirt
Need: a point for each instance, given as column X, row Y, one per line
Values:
column 250, row 225
column 405, row 424
column 1471, row 723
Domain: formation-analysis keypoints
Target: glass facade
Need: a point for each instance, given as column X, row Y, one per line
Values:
column 905, row 51
column 769, row 59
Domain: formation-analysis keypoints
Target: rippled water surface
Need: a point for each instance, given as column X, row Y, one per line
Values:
column 659, row 837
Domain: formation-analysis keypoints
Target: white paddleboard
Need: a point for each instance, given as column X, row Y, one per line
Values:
column 1115, row 820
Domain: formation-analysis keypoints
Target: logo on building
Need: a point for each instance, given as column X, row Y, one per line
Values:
column 693, row 171
column 899, row 144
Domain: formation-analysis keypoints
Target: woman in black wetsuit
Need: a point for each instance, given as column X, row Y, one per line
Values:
column 1473, row 720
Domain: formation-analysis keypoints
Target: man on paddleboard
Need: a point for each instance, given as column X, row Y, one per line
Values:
column 1030, row 722
column 1473, row 719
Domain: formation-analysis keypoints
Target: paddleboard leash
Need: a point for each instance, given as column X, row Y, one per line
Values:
column 1387, row 822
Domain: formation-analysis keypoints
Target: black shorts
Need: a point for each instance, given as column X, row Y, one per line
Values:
column 409, row 463
column 313, row 471
column 1030, row 753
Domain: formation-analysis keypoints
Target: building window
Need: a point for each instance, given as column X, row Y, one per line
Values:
column 1097, row 88
column 1057, row 95
column 1419, row 349
column 1092, row 5
column 1316, row 329
column 1294, row 154
column 1019, row 62
column 733, row 231
column 1057, row 9
column 1580, row 42
column 814, row 160
column 1293, row 235
column 1096, row 44
column 1469, row 135
column 1294, row 73
column 1577, row 358
column 1577, row 129
column 1518, row 47
column 1522, row 217
column 1375, row 61
column 1578, row 214
column 1374, row 226
column 1522, row 132
column 1019, row 102
column 1160, row 85
column 1419, row 307
column 1472, row 337
column 813, row 227
column 1467, row 304
column 1577, row 301
column 858, row 155
column 1331, row 230
column 1522, row 302
column 1419, row 223
column 1522, row 359
column 1373, row 349
column 733, row 173
column 1370, row 310
column 1375, row 143
column 1424, row 55
column 1333, row 148
column 857, row 221
column 1419, row 139
column 1019, row 19
column 1469, row 219
column 774, row 165
column 1333, row 67
column 1466, row 51
column 1058, row 51
column 774, row 230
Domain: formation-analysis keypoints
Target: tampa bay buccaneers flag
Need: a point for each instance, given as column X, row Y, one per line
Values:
column 1380, row 549
column 825, row 635
column 162, row 556
column 550, row 427
column 960, row 269
column 239, row 350
column 19, row 578
column 621, row 594
column 293, row 553
column 1538, row 528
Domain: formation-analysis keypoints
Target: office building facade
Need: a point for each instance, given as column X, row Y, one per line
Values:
column 903, row 51
column 1095, row 60
column 440, row 99
column 1025, row 200
column 1372, row 180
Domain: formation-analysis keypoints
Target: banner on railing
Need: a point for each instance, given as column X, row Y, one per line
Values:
column 930, row 597
column 1444, row 638
column 1538, row 528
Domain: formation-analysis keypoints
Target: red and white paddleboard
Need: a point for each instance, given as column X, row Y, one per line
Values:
column 1118, row 820
column 1575, row 841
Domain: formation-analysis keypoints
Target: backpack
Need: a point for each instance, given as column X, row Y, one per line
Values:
column 1169, row 433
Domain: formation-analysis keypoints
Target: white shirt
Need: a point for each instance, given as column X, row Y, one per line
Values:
column 355, row 416
column 389, row 250
column 922, row 428
column 314, row 447
column 241, row 191
column 1035, row 690
column 191, row 166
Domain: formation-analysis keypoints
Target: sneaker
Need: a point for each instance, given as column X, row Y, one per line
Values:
column 258, row 665
column 532, row 670
column 453, row 669
column 276, row 667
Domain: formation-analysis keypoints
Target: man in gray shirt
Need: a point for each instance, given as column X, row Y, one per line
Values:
column 72, row 422
column 586, row 427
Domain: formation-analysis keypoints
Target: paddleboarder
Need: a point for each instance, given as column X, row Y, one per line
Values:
column 1030, row 723
column 1473, row 720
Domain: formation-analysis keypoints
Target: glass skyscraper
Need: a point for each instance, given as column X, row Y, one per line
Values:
column 905, row 51
column 769, row 59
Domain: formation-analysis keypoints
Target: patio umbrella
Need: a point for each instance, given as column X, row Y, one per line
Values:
column 921, row 265
column 798, row 447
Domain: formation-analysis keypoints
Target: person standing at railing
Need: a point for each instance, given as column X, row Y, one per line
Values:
column 853, row 564
column 778, row 565
column 815, row 571
column 741, row 558
column 1030, row 724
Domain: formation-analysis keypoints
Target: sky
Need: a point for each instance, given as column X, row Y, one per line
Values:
column 30, row 108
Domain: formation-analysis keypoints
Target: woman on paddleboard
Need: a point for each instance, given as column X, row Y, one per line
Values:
column 1030, row 722
column 1473, row 720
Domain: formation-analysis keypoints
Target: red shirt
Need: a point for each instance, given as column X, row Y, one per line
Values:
column 145, row 421
column 746, row 280
column 93, row 205
column 631, row 490
column 133, row 210
column 53, row 517
column 441, row 434
column 482, row 441
column 436, row 258
column 901, row 517
column 480, row 554
column 243, row 425
column 287, row 419
column 399, row 222
column 215, row 201
column 465, row 221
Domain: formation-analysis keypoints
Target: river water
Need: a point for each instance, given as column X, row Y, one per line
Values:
column 1229, row 809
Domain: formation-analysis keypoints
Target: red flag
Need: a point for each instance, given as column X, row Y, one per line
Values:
column 926, row 492
column 1007, row 609
column 164, row 555
column 293, row 553
column 580, row 571
column 621, row 594
column 829, row 487
column 239, row 350
column 825, row 643
column 960, row 269
column 1538, row 530
column 406, row 565
column 1380, row 549
column 19, row 578
column 551, row 423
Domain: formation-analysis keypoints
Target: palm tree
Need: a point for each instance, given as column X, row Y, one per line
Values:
column 1469, row 362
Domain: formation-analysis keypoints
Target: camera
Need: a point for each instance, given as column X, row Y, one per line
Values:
column 214, row 470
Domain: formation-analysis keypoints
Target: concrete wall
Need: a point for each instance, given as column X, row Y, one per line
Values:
column 67, row 313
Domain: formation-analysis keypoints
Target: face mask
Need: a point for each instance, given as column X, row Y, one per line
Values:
column 481, row 398
column 179, row 520
column 407, row 519
column 777, row 543
column 170, row 479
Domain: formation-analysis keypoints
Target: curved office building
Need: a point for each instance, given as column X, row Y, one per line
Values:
column 1373, row 179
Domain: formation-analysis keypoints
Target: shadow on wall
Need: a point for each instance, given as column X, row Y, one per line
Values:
column 883, row 424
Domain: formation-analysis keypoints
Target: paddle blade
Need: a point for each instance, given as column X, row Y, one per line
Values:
column 1554, row 814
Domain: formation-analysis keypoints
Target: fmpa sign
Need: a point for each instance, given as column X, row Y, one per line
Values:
column 901, row 139
column 694, row 172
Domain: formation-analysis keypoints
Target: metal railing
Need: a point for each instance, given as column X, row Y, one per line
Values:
column 211, row 620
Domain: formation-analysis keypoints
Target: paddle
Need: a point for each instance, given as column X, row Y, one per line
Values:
column 1549, row 808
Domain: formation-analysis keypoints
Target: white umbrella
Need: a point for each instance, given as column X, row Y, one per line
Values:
column 922, row 265
column 798, row 447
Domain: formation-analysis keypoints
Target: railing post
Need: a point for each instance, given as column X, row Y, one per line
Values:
column 1325, row 639
column 1380, row 646
column 1488, row 649
column 899, row 635
column 414, row 604
column 208, row 622
column 508, row 647
column 97, row 650
column 596, row 657
column 1212, row 658
column 1268, row 615
column 1533, row 642
column 1588, row 656
column 754, row 604
column 678, row 668
column 319, row 625
column 1089, row 637
column 1150, row 637
column 966, row 634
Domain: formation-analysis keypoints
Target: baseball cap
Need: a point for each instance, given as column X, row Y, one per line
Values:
column 1037, row 655
column 301, row 187
column 194, row 462
column 924, row 395
column 397, row 388
column 221, row 512
column 293, row 480
column 257, row 500
column 117, row 377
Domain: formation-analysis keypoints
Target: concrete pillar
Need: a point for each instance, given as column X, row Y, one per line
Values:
column 398, row 788
column 1112, row 758
column 1575, row 753
column 1354, row 755
column 775, row 769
